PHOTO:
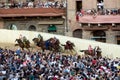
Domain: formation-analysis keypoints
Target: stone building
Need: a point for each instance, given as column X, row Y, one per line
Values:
column 50, row 20
column 97, row 20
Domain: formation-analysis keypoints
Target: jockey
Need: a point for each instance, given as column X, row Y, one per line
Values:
column 39, row 37
column 21, row 37
column 24, row 39
column 90, row 49
column 54, row 39
column 68, row 43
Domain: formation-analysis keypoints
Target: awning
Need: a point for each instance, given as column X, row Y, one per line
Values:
column 52, row 28
column 50, row 22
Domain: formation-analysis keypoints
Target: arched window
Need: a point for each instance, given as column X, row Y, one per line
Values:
column 77, row 33
column 99, row 35
column 13, row 27
column 32, row 28
column 52, row 28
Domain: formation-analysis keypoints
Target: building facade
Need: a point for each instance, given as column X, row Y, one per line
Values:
column 43, row 18
column 97, row 20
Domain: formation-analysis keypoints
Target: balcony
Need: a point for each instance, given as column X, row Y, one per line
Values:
column 99, row 19
column 31, row 12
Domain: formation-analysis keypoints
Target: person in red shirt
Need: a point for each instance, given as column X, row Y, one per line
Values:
column 90, row 49
column 77, row 16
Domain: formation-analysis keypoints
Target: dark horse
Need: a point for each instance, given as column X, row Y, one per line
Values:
column 50, row 44
column 40, row 43
column 55, row 44
column 69, row 46
column 22, row 44
column 95, row 52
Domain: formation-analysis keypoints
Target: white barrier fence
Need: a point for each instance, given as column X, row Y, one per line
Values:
column 108, row 50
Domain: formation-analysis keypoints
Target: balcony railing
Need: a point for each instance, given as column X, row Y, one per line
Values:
column 100, row 19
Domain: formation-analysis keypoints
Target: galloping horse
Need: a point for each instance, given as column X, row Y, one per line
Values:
column 22, row 44
column 69, row 46
column 40, row 43
column 55, row 44
column 87, row 52
column 95, row 52
column 50, row 44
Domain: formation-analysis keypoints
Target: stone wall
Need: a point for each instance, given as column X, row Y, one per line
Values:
column 89, row 4
column 1, row 24
column 24, row 25
column 112, row 4
column 108, row 50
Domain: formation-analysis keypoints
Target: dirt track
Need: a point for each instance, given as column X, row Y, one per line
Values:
column 10, row 46
column 7, row 45
column 33, row 47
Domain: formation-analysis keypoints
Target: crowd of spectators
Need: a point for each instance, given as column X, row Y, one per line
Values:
column 35, row 65
column 35, row 4
column 98, row 12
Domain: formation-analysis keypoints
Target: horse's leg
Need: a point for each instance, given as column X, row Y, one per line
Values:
column 28, row 49
column 72, row 51
column 22, row 49
column 43, row 49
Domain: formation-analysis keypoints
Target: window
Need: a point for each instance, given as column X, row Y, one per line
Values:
column 78, row 5
column 13, row 27
column 118, row 39
column 99, row 35
column 32, row 28
column 77, row 33
column 52, row 28
column 100, row 4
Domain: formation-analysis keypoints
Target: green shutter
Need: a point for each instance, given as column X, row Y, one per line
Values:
column 52, row 28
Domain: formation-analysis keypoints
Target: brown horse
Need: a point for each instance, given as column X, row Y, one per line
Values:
column 69, row 46
column 94, row 52
column 40, row 43
column 50, row 44
column 22, row 44
column 87, row 52
column 55, row 44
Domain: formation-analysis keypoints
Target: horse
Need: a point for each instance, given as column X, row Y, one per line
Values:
column 95, row 52
column 55, row 44
column 40, row 43
column 22, row 44
column 50, row 44
column 87, row 52
column 69, row 46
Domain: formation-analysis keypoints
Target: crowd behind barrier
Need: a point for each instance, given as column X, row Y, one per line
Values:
column 35, row 4
column 35, row 65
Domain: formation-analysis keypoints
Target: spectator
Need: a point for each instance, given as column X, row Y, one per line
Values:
column 46, row 65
